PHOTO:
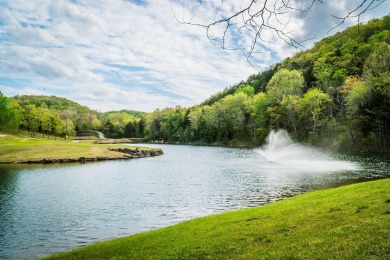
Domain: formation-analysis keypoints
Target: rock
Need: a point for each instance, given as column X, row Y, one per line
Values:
column 87, row 159
column 158, row 152
column 48, row 160
column 146, row 153
column 127, row 153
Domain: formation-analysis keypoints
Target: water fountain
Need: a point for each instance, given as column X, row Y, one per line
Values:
column 281, row 150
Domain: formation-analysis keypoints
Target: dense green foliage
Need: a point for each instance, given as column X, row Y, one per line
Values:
column 123, row 123
column 9, row 116
column 52, row 115
column 336, row 94
column 351, row 222
column 55, row 116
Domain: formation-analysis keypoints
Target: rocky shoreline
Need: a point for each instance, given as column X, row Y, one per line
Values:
column 128, row 153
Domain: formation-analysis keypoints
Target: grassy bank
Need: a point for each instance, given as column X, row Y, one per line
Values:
column 350, row 222
column 15, row 148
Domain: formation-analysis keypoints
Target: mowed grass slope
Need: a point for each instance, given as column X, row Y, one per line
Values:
column 350, row 222
column 22, row 148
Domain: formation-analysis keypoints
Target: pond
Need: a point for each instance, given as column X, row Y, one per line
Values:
column 46, row 209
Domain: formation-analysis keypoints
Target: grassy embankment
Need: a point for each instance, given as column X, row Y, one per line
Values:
column 15, row 148
column 350, row 222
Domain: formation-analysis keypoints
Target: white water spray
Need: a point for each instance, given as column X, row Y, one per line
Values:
column 281, row 150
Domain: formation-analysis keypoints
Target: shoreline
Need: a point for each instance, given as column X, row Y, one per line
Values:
column 19, row 149
column 263, row 231
column 248, row 145
column 127, row 153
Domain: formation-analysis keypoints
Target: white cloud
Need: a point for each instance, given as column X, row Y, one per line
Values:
column 13, row 91
column 123, row 54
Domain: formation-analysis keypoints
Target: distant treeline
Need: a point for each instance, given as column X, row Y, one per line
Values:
column 55, row 116
column 336, row 95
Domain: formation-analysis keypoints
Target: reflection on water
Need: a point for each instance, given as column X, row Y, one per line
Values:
column 47, row 209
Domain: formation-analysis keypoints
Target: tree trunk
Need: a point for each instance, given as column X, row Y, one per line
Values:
column 348, row 125
column 342, row 109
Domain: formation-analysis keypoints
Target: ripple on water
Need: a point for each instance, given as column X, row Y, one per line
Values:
column 53, row 208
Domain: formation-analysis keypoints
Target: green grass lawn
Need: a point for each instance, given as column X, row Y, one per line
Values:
column 21, row 147
column 350, row 222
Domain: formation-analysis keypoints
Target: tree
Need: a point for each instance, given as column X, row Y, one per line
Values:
column 284, row 89
column 357, row 93
column 68, row 127
column 32, row 119
column 233, row 110
column 131, row 129
column 259, row 115
column 95, row 124
column 57, row 126
column 289, row 111
column 212, row 119
column 9, row 114
column 340, row 95
column 378, row 62
column 247, row 89
column 45, row 120
column 244, row 26
column 375, row 106
column 315, row 109
column 195, row 117
column 323, row 74
column 141, row 127
column 284, row 83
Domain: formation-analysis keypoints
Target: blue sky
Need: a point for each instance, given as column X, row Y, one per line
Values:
column 133, row 54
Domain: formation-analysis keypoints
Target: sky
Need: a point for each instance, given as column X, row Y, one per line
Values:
column 138, row 54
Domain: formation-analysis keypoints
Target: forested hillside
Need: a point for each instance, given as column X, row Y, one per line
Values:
column 335, row 95
column 55, row 116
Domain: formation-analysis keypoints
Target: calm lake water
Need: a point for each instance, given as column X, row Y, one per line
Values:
column 53, row 208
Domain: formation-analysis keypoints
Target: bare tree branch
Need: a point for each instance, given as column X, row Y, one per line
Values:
column 262, row 21
column 363, row 7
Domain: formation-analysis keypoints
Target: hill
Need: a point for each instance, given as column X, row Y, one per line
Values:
column 52, row 102
column 56, row 116
column 334, row 95
column 345, row 50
